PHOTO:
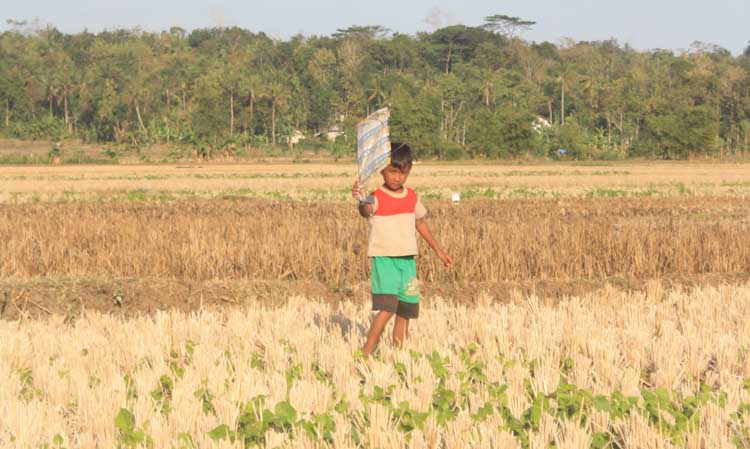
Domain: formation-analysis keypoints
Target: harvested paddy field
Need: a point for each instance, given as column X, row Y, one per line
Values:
column 223, row 306
column 302, row 247
column 609, row 370
column 267, row 239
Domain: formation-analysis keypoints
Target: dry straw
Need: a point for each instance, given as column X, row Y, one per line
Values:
column 71, row 379
column 272, row 240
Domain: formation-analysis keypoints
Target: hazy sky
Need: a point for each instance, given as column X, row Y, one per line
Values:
column 644, row 24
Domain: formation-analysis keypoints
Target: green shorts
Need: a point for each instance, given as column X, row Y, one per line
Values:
column 395, row 287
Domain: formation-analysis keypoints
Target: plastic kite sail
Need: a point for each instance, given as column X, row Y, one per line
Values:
column 373, row 144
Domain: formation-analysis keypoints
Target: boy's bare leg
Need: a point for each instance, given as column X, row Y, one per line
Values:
column 400, row 331
column 376, row 329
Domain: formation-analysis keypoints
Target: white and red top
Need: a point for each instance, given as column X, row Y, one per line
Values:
column 393, row 223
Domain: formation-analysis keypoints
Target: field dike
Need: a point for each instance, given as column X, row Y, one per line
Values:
column 658, row 369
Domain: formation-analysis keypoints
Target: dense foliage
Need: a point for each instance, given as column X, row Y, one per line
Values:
column 456, row 92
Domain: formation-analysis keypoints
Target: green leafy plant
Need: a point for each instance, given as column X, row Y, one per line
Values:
column 131, row 436
column 162, row 394
column 206, row 398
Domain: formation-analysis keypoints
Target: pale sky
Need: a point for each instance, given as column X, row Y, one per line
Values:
column 644, row 24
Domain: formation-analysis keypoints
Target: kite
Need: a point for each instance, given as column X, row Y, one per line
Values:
column 373, row 144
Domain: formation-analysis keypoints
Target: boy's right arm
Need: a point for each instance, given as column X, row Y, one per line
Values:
column 365, row 208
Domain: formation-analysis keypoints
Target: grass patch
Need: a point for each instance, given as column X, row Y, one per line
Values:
column 602, row 192
column 682, row 189
column 18, row 159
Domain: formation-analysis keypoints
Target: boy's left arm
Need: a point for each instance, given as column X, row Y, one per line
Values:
column 424, row 231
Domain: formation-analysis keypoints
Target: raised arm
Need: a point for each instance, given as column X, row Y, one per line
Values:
column 424, row 231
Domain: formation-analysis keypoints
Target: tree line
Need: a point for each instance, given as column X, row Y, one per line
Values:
column 459, row 91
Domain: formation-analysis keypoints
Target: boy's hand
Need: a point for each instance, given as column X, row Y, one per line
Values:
column 447, row 260
column 357, row 192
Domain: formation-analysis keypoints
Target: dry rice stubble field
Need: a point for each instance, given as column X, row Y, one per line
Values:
column 661, row 369
column 608, row 367
column 315, row 182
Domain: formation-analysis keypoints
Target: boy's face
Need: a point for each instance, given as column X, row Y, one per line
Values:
column 394, row 178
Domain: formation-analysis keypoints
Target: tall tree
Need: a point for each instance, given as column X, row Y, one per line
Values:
column 508, row 26
column 453, row 44
column 277, row 91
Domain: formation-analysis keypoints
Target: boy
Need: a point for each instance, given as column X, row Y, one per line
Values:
column 393, row 212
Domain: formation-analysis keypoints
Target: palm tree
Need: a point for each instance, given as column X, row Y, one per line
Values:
column 375, row 94
column 277, row 90
column 564, row 76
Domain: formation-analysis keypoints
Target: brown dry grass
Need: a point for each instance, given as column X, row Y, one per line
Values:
column 275, row 240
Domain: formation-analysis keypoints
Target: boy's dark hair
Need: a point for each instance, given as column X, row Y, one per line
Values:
column 401, row 155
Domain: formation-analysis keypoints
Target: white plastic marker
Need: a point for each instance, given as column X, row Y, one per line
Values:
column 373, row 145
